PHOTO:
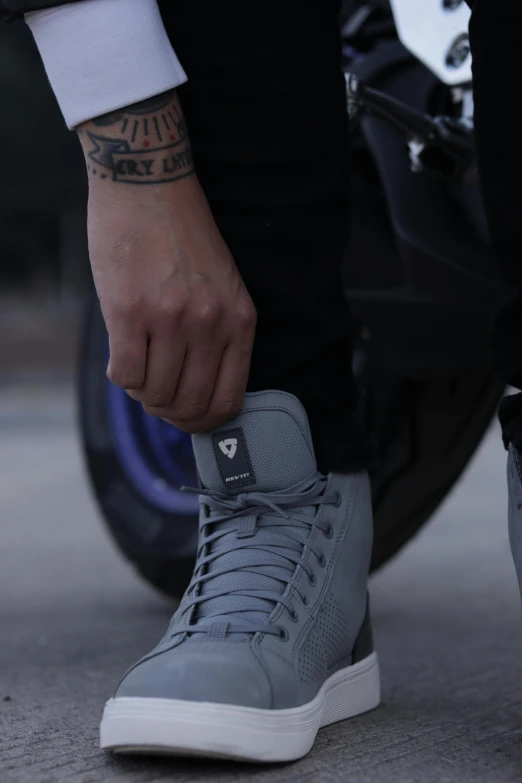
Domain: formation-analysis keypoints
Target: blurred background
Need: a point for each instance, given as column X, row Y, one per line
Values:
column 43, row 249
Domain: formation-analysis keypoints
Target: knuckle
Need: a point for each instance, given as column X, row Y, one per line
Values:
column 247, row 318
column 130, row 310
column 170, row 313
column 209, row 314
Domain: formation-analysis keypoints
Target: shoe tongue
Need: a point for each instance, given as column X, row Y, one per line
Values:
column 266, row 448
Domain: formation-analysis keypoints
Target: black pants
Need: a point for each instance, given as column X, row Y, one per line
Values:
column 496, row 40
column 265, row 106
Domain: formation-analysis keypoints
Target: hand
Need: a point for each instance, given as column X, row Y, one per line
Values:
column 180, row 321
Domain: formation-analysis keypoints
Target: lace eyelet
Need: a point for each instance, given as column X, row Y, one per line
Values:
column 338, row 500
column 283, row 634
column 304, row 600
column 294, row 616
column 321, row 560
column 328, row 533
column 312, row 579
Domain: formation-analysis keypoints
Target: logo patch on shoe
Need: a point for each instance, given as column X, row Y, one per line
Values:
column 228, row 447
column 233, row 459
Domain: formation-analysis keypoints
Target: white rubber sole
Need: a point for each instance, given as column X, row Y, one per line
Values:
column 184, row 728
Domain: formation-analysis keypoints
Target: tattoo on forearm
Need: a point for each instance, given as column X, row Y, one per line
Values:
column 144, row 144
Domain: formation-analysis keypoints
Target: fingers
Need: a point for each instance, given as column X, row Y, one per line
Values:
column 230, row 388
column 165, row 360
column 230, row 377
column 227, row 395
column 194, row 389
column 194, row 377
column 128, row 355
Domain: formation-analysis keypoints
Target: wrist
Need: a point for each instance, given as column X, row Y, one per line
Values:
column 143, row 144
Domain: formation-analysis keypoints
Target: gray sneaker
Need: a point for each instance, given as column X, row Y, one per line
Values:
column 272, row 640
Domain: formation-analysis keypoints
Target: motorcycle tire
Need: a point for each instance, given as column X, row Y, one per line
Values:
column 427, row 432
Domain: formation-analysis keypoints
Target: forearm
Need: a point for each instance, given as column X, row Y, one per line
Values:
column 143, row 144
column 179, row 318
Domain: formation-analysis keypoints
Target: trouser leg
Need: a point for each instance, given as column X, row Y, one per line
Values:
column 265, row 107
column 496, row 38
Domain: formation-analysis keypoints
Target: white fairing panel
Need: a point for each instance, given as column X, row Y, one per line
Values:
column 436, row 35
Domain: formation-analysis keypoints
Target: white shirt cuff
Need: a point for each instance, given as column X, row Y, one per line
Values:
column 102, row 55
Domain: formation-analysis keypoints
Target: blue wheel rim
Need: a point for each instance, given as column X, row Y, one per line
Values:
column 156, row 457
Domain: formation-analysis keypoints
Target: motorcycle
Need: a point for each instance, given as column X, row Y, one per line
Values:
column 422, row 286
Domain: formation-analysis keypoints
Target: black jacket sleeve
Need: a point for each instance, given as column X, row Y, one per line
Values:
column 10, row 9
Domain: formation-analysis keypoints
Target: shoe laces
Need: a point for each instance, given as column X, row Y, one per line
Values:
column 262, row 539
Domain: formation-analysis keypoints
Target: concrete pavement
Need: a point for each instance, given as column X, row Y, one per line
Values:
column 73, row 617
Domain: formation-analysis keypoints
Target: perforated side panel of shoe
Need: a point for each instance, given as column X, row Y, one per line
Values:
column 312, row 664
column 329, row 643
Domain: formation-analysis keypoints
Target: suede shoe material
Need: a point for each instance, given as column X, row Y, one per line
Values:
column 278, row 601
